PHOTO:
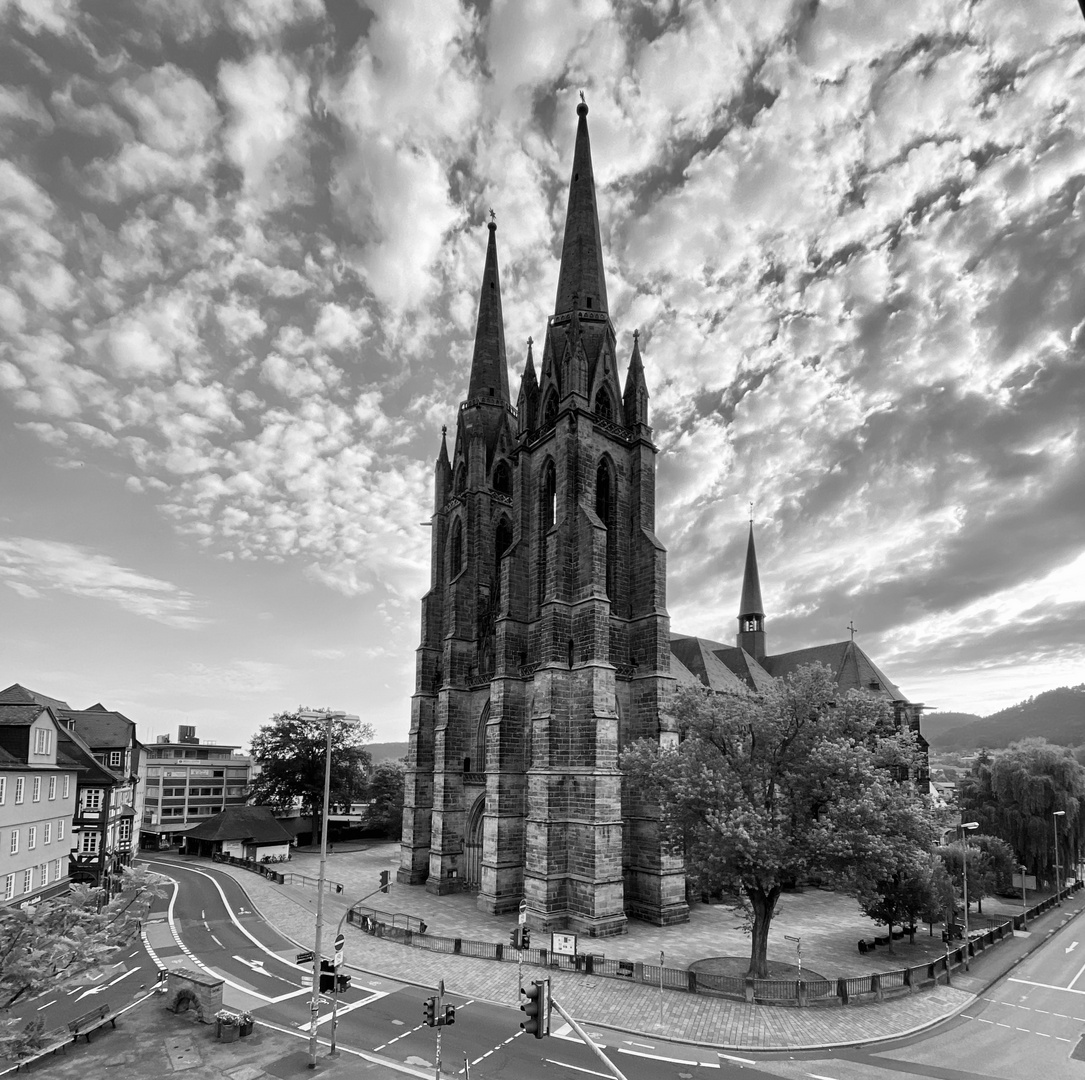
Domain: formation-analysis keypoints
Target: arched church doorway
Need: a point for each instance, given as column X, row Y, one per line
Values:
column 472, row 845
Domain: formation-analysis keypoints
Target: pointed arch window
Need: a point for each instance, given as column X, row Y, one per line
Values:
column 502, row 543
column 550, row 409
column 503, row 478
column 549, row 495
column 604, row 405
column 480, row 739
column 456, row 548
column 605, row 511
column 460, row 485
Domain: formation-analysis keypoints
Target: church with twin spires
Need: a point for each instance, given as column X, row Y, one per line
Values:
column 546, row 646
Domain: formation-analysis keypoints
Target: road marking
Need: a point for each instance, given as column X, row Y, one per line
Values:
column 123, row 975
column 818, row 1076
column 1077, row 976
column 669, row 1060
column 343, row 1009
column 47, row 1004
column 577, row 1068
column 644, row 1046
column 1047, row 986
column 1071, row 947
column 740, row 1060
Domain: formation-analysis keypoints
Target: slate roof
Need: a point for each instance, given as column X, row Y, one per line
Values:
column 729, row 669
column 851, row 667
column 101, row 728
column 253, row 823
column 19, row 695
column 20, row 715
column 698, row 657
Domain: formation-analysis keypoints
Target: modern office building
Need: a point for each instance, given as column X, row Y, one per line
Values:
column 186, row 782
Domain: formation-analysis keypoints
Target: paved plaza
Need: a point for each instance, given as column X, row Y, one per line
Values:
column 829, row 925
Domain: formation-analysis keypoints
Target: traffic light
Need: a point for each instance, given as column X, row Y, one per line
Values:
column 342, row 983
column 536, row 1007
column 525, row 937
column 514, row 937
column 386, row 879
column 429, row 1011
column 450, row 1015
column 327, row 976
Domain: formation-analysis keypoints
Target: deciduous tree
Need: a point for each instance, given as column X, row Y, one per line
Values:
column 1013, row 794
column 290, row 753
column 762, row 790
column 63, row 936
column 385, row 790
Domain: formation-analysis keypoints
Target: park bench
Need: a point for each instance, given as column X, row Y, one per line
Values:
column 91, row 1021
column 52, row 1041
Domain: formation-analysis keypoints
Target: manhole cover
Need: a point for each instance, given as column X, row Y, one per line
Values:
column 182, row 1053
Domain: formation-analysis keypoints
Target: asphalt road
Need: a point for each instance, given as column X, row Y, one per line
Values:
column 216, row 930
column 1030, row 1023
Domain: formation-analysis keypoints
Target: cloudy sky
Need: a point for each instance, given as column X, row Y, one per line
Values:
column 240, row 247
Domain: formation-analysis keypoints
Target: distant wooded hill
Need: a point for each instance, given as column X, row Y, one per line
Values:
column 1056, row 715
column 386, row 751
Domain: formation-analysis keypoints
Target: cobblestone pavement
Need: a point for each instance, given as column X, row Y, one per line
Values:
column 829, row 925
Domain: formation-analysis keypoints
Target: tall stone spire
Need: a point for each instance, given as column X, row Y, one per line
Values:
column 489, row 371
column 751, row 609
column 582, row 250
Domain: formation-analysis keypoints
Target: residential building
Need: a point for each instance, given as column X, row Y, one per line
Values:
column 38, row 786
column 187, row 781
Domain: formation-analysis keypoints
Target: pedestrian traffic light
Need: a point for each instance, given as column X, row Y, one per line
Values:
column 450, row 1015
column 536, row 1008
column 386, row 879
column 429, row 1011
column 525, row 937
column 342, row 983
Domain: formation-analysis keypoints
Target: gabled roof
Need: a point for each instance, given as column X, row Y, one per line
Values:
column 698, row 656
column 101, row 728
column 852, row 669
column 73, row 748
column 19, row 695
column 20, row 715
column 253, row 823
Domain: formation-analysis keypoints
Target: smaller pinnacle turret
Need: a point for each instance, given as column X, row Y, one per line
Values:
column 489, row 371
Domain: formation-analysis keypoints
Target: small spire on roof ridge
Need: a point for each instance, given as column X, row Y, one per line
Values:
column 493, row 219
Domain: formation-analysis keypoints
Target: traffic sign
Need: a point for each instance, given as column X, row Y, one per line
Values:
column 337, row 959
column 340, row 941
column 522, row 920
column 304, row 958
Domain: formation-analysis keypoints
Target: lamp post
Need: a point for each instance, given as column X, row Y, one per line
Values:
column 965, row 827
column 1055, row 832
column 327, row 717
column 1024, row 901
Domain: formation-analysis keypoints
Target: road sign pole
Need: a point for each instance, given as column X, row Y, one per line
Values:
column 340, row 942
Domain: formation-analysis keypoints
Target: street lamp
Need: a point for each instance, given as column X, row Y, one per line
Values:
column 1055, row 831
column 327, row 717
column 965, row 826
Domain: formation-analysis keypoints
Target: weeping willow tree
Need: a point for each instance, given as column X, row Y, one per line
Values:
column 1014, row 794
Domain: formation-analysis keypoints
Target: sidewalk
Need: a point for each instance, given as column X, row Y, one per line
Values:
column 829, row 925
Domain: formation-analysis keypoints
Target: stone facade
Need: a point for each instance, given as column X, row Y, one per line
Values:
column 545, row 637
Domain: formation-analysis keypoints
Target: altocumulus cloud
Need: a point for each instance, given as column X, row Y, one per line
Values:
column 36, row 567
column 241, row 245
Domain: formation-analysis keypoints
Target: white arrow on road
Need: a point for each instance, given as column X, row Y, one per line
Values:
column 1071, row 947
column 123, row 975
column 92, row 990
column 256, row 965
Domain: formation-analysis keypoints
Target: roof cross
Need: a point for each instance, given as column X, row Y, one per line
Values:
column 851, row 627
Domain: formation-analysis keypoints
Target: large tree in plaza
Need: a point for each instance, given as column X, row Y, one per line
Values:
column 290, row 753
column 1014, row 794
column 761, row 790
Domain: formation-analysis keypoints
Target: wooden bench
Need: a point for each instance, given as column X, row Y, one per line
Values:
column 91, row 1021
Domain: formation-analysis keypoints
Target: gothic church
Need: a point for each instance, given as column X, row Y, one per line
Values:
column 546, row 645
